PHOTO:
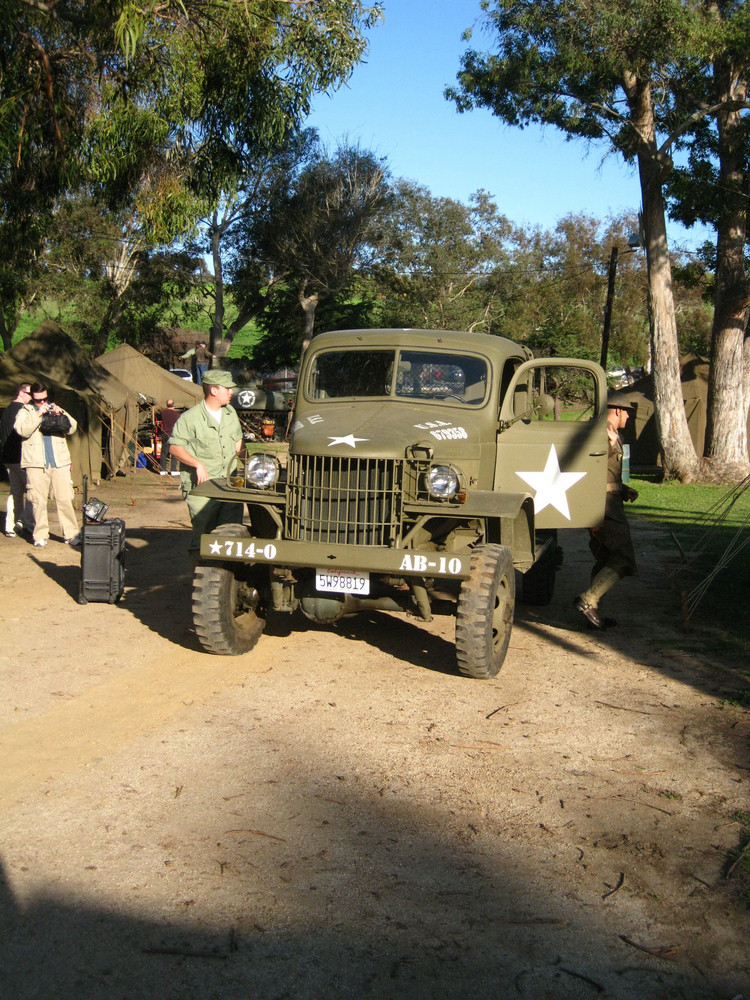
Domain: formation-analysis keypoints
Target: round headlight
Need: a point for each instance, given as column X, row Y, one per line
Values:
column 262, row 471
column 442, row 481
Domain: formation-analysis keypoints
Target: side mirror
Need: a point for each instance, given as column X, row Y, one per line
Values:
column 544, row 405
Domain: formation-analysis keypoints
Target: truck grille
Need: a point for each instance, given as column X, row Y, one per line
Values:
column 348, row 501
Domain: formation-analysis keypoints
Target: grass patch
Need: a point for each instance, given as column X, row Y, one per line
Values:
column 29, row 321
column 710, row 526
column 691, row 504
column 738, row 861
column 740, row 699
column 244, row 341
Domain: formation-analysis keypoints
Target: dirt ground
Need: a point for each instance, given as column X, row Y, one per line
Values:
column 339, row 814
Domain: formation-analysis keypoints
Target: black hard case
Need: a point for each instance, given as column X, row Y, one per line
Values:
column 102, row 558
column 102, row 561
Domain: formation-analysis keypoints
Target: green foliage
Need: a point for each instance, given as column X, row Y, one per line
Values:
column 320, row 226
column 564, row 63
column 157, row 101
column 644, row 78
column 442, row 255
column 281, row 324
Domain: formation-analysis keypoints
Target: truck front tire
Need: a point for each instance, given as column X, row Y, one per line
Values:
column 226, row 608
column 484, row 616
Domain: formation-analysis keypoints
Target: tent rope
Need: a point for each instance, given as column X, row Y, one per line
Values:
column 714, row 518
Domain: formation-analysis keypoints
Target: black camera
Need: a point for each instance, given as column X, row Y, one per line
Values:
column 94, row 510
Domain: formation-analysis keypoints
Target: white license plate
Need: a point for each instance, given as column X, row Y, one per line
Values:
column 342, row 581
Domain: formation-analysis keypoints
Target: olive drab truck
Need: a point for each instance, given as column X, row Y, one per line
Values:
column 426, row 470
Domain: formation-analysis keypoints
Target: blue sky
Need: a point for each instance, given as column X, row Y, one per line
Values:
column 394, row 106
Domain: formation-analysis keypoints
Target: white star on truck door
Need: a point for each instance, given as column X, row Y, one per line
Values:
column 552, row 485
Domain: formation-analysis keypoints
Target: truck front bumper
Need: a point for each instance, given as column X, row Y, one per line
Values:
column 317, row 555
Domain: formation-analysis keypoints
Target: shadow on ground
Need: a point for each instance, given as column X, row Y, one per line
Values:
column 426, row 914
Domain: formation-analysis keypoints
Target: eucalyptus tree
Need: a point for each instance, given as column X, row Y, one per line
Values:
column 441, row 255
column 713, row 188
column 100, row 92
column 222, row 229
column 617, row 72
column 103, row 270
column 321, row 227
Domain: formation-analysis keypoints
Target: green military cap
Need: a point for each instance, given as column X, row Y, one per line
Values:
column 619, row 401
column 219, row 377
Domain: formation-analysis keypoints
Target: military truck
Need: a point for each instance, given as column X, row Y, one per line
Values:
column 426, row 470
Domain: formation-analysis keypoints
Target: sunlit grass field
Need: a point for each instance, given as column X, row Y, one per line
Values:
column 192, row 327
column 710, row 532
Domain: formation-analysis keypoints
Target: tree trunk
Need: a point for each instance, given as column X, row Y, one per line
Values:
column 217, row 325
column 5, row 334
column 100, row 339
column 677, row 450
column 234, row 328
column 309, row 304
column 726, row 428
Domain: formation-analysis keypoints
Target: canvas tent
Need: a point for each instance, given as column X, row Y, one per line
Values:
column 105, row 409
column 147, row 379
column 85, row 449
column 641, row 432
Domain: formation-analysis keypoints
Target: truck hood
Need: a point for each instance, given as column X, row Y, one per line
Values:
column 387, row 430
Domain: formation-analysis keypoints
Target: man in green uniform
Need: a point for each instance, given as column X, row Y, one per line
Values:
column 205, row 439
column 610, row 543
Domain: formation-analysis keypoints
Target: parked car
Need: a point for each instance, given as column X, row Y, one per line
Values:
column 182, row 373
column 618, row 377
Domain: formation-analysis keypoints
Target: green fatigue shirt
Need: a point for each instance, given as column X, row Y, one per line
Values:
column 214, row 444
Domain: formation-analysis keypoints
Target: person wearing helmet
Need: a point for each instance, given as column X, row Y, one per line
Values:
column 610, row 542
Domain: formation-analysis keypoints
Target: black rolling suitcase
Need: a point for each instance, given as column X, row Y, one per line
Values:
column 102, row 554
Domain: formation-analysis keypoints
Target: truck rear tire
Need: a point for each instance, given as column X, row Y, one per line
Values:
column 484, row 616
column 226, row 608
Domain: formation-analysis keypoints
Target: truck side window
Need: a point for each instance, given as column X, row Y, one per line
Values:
column 509, row 370
column 573, row 390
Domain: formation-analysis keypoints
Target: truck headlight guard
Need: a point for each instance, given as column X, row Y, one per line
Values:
column 443, row 481
column 262, row 470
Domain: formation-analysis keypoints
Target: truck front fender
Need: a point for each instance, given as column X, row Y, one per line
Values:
column 509, row 518
column 220, row 489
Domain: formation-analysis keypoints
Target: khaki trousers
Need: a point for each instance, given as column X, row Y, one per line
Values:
column 18, row 509
column 43, row 484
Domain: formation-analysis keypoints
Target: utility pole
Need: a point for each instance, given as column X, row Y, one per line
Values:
column 634, row 242
column 608, row 306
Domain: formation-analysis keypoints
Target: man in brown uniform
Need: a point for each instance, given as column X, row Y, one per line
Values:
column 610, row 543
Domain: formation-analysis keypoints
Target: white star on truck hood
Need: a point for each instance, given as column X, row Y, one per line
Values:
column 551, row 485
column 347, row 439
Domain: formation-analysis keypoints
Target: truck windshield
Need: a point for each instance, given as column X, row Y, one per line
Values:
column 418, row 375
